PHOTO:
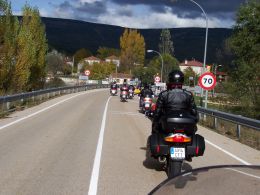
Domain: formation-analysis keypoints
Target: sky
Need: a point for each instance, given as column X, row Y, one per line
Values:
column 139, row 13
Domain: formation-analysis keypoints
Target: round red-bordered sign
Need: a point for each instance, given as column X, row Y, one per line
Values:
column 87, row 72
column 207, row 81
column 157, row 79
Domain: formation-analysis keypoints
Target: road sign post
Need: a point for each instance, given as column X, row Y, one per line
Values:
column 207, row 81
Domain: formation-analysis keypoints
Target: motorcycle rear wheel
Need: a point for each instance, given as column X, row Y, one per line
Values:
column 173, row 168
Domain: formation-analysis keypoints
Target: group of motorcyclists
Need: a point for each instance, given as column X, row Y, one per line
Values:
column 126, row 91
column 170, row 100
column 173, row 137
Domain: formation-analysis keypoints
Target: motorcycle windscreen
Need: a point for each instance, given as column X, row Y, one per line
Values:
column 225, row 179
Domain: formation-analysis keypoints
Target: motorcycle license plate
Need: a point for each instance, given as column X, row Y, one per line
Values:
column 123, row 96
column 177, row 153
column 147, row 105
column 113, row 91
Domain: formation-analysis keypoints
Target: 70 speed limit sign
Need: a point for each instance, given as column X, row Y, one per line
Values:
column 207, row 81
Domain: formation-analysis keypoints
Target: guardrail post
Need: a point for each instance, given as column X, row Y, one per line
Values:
column 238, row 131
column 7, row 105
column 215, row 122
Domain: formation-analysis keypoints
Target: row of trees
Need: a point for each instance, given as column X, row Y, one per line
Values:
column 244, row 44
column 23, row 48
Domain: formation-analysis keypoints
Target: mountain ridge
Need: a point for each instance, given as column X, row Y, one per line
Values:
column 69, row 35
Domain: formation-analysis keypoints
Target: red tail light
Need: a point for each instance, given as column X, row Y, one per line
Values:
column 177, row 138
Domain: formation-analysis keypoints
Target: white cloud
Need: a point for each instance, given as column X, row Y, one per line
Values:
column 136, row 17
column 44, row 13
column 89, row 1
column 160, row 20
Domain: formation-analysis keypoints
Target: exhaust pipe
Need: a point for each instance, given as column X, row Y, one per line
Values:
column 162, row 159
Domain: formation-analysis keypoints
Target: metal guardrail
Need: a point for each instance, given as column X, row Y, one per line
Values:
column 6, row 100
column 236, row 119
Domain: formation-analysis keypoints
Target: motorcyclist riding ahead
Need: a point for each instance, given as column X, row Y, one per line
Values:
column 113, row 88
column 173, row 99
column 145, row 91
column 113, row 85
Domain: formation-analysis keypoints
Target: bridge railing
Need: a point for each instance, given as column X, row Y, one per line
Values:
column 12, row 102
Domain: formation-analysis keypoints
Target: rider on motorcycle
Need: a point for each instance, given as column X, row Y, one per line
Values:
column 113, row 85
column 131, row 87
column 173, row 99
column 145, row 91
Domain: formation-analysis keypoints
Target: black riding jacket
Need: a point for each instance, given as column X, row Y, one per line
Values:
column 146, row 92
column 172, row 100
column 113, row 86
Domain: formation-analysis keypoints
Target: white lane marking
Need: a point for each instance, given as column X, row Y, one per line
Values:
column 40, row 111
column 95, row 171
column 250, row 175
column 127, row 113
column 228, row 153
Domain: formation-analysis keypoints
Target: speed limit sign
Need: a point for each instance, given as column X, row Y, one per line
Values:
column 87, row 72
column 207, row 81
column 157, row 79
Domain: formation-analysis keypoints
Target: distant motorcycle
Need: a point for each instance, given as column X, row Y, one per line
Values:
column 113, row 91
column 147, row 105
column 123, row 96
column 131, row 94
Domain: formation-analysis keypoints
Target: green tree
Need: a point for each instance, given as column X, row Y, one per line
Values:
column 37, row 70
column 169, row 63
column 145, row 74
column 9, row 27
column 104, row 52
column 166, row 44
column 132, row 46
column 101, row 71
column 245, row 78
column 55, row 62
column 79, row 55
column 26, row 54
column 188, row 72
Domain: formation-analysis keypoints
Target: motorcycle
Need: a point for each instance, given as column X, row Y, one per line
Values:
column 113, row 91
column 147, row 105
column 131, row 94
column 176, row 142
column 123, row 96
column 153, row 108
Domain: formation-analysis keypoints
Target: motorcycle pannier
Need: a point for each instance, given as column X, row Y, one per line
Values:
column 157, row 145
column 197, row 147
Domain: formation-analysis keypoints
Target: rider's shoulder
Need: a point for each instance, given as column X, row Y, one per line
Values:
column 163, row 93
column 187, row 92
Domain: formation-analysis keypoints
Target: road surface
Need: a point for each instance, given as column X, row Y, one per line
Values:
column 51, row 148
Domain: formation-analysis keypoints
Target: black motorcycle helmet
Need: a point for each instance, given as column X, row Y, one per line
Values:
column 146, row 86
column 176, row 77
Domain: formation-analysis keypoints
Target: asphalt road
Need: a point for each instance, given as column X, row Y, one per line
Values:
column 51, row 148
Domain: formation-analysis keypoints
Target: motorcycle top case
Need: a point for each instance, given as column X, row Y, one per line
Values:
column 179, row 121
column 197, row 147
column 157, row 144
